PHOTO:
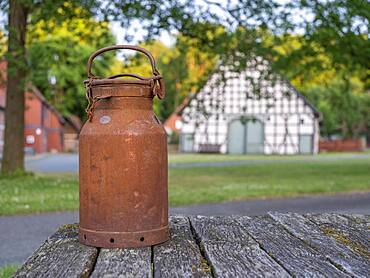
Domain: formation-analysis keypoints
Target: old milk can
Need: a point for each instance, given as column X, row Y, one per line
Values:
column 123, row 160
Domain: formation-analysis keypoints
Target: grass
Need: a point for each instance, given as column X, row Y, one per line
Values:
column 38, row 193
column 43, row 193
column 188, row 158
column 204, row 185
column 8, row 270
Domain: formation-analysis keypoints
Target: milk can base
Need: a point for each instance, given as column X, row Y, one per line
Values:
column 123, row 239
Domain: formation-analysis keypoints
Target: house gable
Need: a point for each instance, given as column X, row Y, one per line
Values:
column 251, row 95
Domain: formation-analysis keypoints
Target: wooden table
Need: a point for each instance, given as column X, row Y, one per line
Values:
column 274, row 245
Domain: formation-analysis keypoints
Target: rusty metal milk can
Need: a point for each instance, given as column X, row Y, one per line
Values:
column 123, row 161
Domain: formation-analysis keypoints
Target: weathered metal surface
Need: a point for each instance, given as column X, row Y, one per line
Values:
column 278, row 246
column 123, row 162
column 231, row 251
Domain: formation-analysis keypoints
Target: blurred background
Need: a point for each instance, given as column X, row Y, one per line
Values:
column 267, row 105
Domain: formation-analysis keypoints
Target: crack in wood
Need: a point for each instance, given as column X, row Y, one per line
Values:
column 296, row 255
column 231, row 251
column 276, row 245
column 269, row 253
column 310, row 233
column 206, row 263
column 338, row 266
column 93, row 264
column 152, row 260
column 351, row 231
column 180, row 256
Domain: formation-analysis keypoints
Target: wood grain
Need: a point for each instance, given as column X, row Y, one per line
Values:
column 181, row 256
column 61, row 255
column 123, row 263
column 295, row 255
column 354, row 232
column 232, row 252
column 274, row 245
column 335, row 251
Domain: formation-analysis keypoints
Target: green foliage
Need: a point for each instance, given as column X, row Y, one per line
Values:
column 3, row 44
column 340, row 94
column 58, row 53
column 334, row 47
column 344, row 107
column 184, row 68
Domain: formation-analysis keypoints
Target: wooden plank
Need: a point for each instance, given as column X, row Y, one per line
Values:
column 352, row 231
column 123, row 263
column 230, row 251
column 359, row 219
column 180, row 256
column 61, row 255
column 296, row 256
column 336, row 252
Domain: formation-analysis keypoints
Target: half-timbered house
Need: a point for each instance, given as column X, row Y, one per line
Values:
column 249, row 112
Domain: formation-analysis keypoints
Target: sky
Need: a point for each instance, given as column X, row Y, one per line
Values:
column 169, row 38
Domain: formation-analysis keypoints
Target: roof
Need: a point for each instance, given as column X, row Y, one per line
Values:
column 171, row 120
column 316, row 112
column 74, row 121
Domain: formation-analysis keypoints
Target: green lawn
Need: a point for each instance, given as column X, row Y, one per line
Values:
column 192, row 157
column 8, row 270
column 202, row 185
column 41, row 193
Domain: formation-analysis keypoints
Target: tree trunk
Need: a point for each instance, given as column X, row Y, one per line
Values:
column 13, row 154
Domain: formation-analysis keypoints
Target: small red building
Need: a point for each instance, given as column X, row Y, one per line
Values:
column 44, row 125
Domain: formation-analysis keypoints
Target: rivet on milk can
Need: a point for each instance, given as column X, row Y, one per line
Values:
column 123, row 160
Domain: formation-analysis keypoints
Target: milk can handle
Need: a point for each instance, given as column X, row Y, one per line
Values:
column 114, row 47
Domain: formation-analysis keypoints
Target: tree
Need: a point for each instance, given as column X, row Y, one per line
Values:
column 339, row 94
column 345, row 109
column 20, row 14
column 13, row 155
column 233, row 31
column 154, row 15
column 184, row 68
column 58, row 53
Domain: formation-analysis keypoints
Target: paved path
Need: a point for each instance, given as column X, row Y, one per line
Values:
column 68, row 163
column 53, row 163
column 21, row 235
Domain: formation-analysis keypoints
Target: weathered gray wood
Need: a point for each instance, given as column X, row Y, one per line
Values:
column 181, row 256
column 279, row 245
column 335, row 251
column 296, row 256
column 359, row 219
column 123, row 263
column 350, row 231
column 230, row 251
column 60, row 256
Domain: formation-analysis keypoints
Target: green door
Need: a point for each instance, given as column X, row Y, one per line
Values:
column 254, row 137
column 245, row 137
